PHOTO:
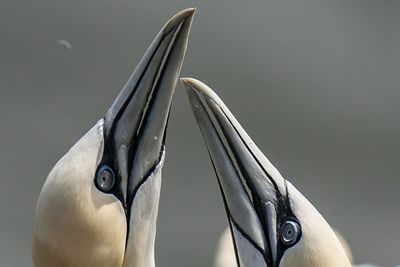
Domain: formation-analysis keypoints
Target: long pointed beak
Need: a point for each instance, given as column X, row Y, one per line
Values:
column 135, row 125
column 252, row 189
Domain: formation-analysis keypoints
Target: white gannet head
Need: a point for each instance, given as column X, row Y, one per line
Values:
column 98, row 206
column 272, row 223
column 225, row 252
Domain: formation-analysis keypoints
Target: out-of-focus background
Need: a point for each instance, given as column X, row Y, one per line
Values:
column 315, row 83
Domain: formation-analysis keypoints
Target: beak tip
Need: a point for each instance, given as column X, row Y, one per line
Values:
column 179, row 18
column 186, row 82
column 198, row 86
column 188, row 12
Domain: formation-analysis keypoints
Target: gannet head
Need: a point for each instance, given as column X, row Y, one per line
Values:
column 99, row 204
column 272, row 223
column 225, row 252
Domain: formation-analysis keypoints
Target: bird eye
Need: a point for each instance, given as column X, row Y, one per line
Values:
column 105, row 179
column 290, row 232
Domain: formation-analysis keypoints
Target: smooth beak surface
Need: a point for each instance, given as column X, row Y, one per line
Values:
column 252, row 189
column 135, row 125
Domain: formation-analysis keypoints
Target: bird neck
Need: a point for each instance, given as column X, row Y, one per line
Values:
column 142, row 231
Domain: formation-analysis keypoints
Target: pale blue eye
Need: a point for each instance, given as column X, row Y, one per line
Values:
column 105, row 179
column 290, row 232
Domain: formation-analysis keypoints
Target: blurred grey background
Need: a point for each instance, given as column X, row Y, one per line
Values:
column 315, row 83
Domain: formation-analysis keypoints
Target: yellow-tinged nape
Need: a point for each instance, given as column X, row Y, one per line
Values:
column 319, row 245
column 75, row 224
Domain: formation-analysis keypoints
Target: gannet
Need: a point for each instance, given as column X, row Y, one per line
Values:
column 225, row 253
column 271, row 222
column 99, row 204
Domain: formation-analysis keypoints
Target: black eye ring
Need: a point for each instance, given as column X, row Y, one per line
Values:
column 290, row 233
column 105, row 179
